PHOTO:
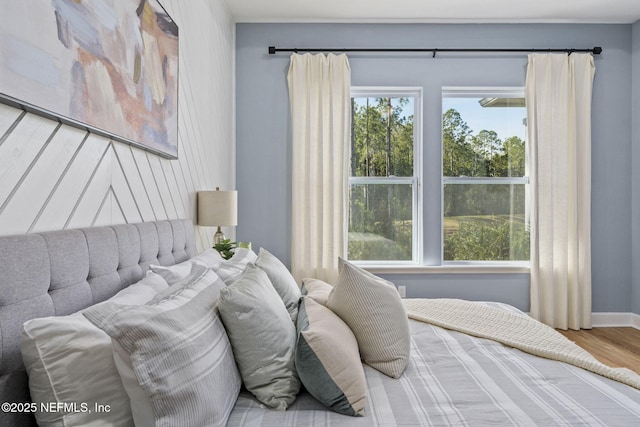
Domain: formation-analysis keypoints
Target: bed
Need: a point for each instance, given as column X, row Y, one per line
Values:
column 451, row 378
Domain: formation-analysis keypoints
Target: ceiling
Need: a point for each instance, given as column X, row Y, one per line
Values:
column 446, row 11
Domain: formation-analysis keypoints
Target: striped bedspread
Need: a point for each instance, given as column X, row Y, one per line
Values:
column 514, row 329
column 454, row 379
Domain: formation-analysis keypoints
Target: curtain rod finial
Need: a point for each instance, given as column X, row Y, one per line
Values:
column 597, row 50
column 272, row 50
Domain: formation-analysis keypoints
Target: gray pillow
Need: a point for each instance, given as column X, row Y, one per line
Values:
column 281, row 279
column 372, row 308
column 328, row 361
column 262, row 336
column 175, row 350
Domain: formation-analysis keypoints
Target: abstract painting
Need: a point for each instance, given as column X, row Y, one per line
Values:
column 110, row 66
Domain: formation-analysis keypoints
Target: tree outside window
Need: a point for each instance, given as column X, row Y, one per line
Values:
column 484, row 177
column 383, row 185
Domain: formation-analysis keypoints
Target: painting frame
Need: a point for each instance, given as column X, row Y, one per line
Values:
column 108, row 67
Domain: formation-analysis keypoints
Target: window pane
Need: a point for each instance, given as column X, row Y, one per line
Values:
column 380, row 222
column 485, row 222
column 483, row 137
column 382, row 137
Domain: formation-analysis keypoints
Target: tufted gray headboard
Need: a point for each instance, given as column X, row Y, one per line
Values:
column 58, row 273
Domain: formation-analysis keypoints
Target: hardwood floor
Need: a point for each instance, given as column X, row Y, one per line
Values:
column 616, row 347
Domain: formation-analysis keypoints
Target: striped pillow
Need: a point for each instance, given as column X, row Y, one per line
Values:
column 327, row 360
column 372, row 308
column 178, row 352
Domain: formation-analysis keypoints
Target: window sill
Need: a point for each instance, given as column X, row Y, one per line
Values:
column 519, row 268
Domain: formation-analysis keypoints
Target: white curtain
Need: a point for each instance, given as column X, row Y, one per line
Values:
column 320, row 99
column 558, row 94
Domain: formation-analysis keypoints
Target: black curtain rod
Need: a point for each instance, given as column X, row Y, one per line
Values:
column 273, row 50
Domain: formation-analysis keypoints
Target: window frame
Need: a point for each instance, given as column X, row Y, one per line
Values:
column 416, row 93
column 473, row 92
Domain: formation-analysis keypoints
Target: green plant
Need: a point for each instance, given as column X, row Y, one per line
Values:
column 225, row 247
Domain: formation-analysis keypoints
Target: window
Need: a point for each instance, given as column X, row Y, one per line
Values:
column 484, row 180
column 383, row 183
column 483, row 175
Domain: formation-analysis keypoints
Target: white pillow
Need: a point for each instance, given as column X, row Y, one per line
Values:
column 179, row 352
column 68, row 359
column 282, row 281
column 232, row 268
column 177, row 272
column 372, row 308
column 210, row 257
column 263, row 338
column 140, row 293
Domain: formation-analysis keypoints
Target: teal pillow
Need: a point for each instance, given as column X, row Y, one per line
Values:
column 328, row 361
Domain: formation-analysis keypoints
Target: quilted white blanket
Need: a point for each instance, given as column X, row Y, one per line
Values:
column 512, row 329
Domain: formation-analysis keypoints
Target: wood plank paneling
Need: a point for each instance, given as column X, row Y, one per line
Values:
column 134, row 181
column 37, row 187
column 20, row 149
column 121, row 189
column 93, row 195
column 54, row 176
column 56, row 212
column 161, row 185
column 8, row 118
column 149, row 183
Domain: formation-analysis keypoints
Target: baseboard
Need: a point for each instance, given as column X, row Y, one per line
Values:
column 603, row 320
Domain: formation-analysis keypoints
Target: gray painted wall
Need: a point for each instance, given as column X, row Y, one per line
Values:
column 635, row 172
column 264, row 141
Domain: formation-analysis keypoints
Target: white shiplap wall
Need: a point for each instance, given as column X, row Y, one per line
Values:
column 54, row 176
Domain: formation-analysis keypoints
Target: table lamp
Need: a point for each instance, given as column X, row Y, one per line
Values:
column 218, row 208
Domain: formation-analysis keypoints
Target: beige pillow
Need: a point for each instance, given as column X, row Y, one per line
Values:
column 327, row 360
column 317, row 290
column 373, row 310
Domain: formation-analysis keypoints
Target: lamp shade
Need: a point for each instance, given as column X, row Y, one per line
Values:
column 218, row 208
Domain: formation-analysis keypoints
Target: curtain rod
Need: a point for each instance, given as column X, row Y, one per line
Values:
column 273, row 50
